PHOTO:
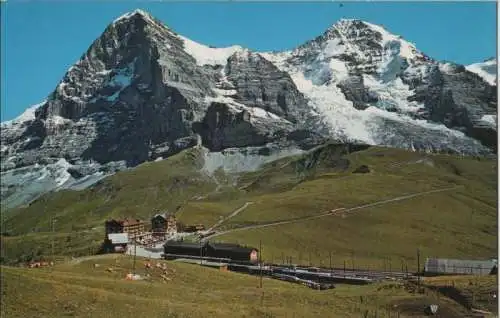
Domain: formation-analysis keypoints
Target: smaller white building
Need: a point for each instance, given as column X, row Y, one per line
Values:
column 442, row 266
column 117, row 242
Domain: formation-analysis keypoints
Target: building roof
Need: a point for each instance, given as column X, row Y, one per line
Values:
column 227, row 247
column 164, row 215
column 224, row 245
column 126, row 221
column 183, row 244
column 443, row 265
column 118, row 238
column 230, row 247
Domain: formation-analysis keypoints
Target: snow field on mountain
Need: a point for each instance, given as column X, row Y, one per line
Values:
column 205, row 55
column 28, row 114
column 338, row 112
column 392, row 94
column 487, row 70
column 490, row 120
column 405, row 49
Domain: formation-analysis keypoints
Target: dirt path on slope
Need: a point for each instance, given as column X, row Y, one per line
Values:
column 233, row 214
column 257, row 226
column 340, row 211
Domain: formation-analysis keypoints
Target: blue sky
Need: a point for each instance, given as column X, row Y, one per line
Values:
column 41, row 40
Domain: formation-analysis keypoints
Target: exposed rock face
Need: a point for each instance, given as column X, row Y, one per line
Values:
column 136, row 92
column 226, row 127
column 139, row 87
column 259, row 83
column 142, row 92
column 459, row 99
column 355, row 91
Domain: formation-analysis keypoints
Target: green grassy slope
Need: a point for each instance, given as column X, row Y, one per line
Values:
column 80, row 290
column 472, row 291
column 134, row 193
column 456, row 223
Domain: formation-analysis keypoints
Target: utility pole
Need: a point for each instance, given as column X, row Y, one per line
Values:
column 418, row 267
column 319, row 278
column 260, row 262
column 135, row 254
column 53, row 221
column 331, row 270
column 201, row 253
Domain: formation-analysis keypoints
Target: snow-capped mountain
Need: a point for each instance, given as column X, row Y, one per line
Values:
column 142, row 92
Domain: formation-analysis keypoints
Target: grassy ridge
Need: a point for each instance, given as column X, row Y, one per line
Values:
column 437, row 224
column 472, row 291
column 80, row 290
column 458, row 223
column 138, row 192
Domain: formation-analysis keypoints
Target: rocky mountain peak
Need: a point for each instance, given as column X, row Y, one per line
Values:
column 362, row 47
column 138, row 19
column 136, row 14
column 347, row 26
column 126, row 59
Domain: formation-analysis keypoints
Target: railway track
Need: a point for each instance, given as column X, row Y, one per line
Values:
column 351, row 273
column 319, row 273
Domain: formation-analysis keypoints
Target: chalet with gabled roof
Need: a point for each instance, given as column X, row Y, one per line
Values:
column 163, row 224
column 133, row 227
